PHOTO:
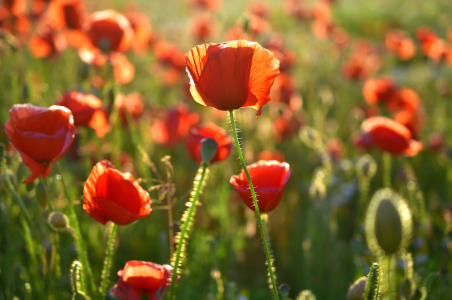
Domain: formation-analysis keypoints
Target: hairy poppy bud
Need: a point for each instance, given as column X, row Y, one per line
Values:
column 41, row 194
column 22, row 172
column 306, row 295
column 208, row 149
column 366, row 166
column 284, row 290
column 357, row 289
column 388, row 223
column 58, row 221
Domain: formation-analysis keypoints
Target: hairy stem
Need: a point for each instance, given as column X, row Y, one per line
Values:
column 187, row 220
column 86, row 270
column 256, row 208
column 107, row 261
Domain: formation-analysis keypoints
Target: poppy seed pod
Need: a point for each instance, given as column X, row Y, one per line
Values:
column 208, row 149
column 357, row 289
column 366, row 166
column 388, row 223
column 58, row 221
column 41, row 194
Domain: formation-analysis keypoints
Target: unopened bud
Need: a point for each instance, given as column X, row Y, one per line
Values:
column 208, row 149
column 42, row 195
column 366, row 166
column 283, row 291
column 306, row 295
column 22, row 172
column 388, row 227
column 357, row 289
column 58, row 221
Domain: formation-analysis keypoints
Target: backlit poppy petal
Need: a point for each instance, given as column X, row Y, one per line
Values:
column 231, row 75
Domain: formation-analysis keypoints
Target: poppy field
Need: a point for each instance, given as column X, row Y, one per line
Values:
column 236, row 150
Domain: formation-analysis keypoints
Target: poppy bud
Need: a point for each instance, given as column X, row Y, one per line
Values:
column 41, row 194
column 366, row 166
column 306, row 295
column 22, row 172
column 388, row 223
column 406, row 288
column 58, row 221
column 208, row 149
column 25, row 92
column 357, row 289
column 283, row 291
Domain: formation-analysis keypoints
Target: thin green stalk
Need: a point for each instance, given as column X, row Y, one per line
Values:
column 107, row 261
column 256, row 208
column 387, row 159
column 24, row 211
column 79, row 240
column 188, row 216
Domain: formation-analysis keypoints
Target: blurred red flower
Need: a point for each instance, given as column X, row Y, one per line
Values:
column 65, row 14
column 201, row 27
column 335, row 148
column 142, row 28
column 381, row 90
column 132, row 104
column 87, row 111
column 231, row 75
column 140, row 277
column 110, row 195
column 173, row 126
column 108, row 33
column 46, row 42
column 206, row 4
column 413, row 120
column 42, row 135
column 269, row 180
column 397, row 41
column 426, row 37
column 405, row 99
column 209, row 130
column 285, row 124
column 271, row 155
column 391, row 136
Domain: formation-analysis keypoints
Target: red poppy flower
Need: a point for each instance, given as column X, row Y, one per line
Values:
column 142, row 28
column 110, row 195
column 206, row 4
column 391, row 136
column 173, row 126
column 46, row 42
column 438, row 50
column 132, row 104
column 397, row 41
column 405, row 99
column 66, row 14
column 87, row 111
column 201, row 27
column 269, row 180
column 271, row 155
column 298, row 8
column 209, row 130
column 321, row 29
column 426, row 37
column 169, row 54
column 379, row 90
column 285, row 125
column 106, row 31
column 123, row 69
column 140, row 277
column 413, row 120
column 231, row 75
column 42, row 135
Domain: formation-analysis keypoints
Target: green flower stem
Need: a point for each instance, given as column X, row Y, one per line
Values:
column 387, row 159
column 107, row 261
column 256, row 208
column 79, row 240
column 24, row 211
column 188, row 216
